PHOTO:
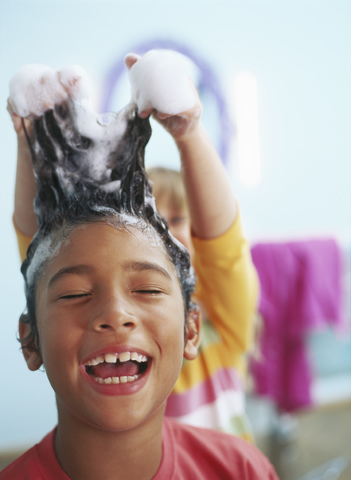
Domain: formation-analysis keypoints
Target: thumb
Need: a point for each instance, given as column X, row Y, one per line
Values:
column 16, row 120
column 130, row 59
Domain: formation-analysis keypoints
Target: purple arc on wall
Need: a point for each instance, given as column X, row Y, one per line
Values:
column 208, row 82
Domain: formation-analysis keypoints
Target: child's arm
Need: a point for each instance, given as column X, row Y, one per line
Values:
column 210, row 197
column 211, row 201
column 25, row 187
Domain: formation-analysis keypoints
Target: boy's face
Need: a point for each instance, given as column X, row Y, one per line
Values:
column 109, row 292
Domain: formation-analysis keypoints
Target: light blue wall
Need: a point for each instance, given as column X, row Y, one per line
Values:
column 299, row 53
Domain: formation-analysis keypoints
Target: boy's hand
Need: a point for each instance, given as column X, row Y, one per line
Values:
column 179, row 125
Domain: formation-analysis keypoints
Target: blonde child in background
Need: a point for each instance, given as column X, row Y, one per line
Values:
column 210, row 391
column 202, row 213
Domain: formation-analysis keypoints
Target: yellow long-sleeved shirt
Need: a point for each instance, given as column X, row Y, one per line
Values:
column 210, row 389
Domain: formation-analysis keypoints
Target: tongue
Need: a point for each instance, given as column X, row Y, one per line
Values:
column 105, row 370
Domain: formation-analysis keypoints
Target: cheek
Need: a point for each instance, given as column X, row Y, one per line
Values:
column 48, row 339
column 171, row 331
column 55, row 339
column 166, row 323
column 59, row 347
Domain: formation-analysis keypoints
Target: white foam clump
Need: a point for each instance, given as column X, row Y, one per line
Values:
column 46, row 250
column 36, row 88
column 160, row 81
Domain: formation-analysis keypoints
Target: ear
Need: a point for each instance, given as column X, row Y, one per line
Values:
column 130, row 59
column 29, row 348
column 193, row 328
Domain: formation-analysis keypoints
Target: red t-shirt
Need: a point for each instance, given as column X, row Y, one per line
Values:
column 188, row 453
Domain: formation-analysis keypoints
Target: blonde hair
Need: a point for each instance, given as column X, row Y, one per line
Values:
column 168, row 187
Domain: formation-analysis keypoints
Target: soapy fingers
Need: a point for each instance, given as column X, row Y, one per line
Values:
column 161, row 86
column 182, row 124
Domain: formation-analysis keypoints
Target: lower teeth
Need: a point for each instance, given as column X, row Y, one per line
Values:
column 116, row 380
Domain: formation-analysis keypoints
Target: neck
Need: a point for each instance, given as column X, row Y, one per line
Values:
column 87, row 453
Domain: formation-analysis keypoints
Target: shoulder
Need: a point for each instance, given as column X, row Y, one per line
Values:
column 23, row 468
column 219, row 454
column 38, row 462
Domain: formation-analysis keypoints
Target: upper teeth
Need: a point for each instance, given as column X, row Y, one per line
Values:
column 112, row 358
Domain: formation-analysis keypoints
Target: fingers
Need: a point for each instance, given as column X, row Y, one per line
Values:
column 145, row 113
column 130, row 59
column 163, row 116
column 188, row 116
column 9, row 106
column 16, row 120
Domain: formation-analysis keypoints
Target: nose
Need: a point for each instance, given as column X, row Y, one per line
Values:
column 113, row 314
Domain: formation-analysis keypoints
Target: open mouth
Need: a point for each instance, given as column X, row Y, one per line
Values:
column 115, row 368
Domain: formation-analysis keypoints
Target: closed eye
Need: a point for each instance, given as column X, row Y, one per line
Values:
column 150, row 291
column 74, row 295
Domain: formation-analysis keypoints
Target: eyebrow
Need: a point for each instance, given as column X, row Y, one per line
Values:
column 73, row 270
column 85, row 269
column 144, row 266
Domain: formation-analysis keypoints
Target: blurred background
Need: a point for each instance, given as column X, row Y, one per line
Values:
column 275, row 83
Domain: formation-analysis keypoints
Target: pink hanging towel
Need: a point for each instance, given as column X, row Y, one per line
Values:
column 300, row 291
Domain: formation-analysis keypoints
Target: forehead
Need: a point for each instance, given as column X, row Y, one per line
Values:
column 168, row 206
column 100, row 244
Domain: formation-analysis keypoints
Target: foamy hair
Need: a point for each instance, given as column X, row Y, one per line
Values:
column 35, row 88
column 47, row 249
column 160, row 80
column 59, row 101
